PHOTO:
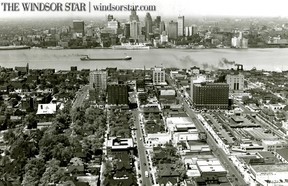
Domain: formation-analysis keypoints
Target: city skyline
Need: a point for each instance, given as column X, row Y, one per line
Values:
column 174, row 8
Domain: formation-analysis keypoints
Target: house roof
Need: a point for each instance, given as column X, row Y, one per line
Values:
column 283, row 153
column 167, row 180
column 46, row 109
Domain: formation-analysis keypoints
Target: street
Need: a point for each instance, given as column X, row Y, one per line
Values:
column 144, row 165
column 232, row 170
column 80, row 96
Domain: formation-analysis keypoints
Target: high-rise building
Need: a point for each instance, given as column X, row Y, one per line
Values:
column 78, row 27
column 110, row 17
column 196, row 79
column 148, row 25
column 162, row 27
column 188, row 30
column 172, row 30
column 135, row 29
column 98, row 79
column 134, row 16
column 211, row 95
column 127, row 30
column 239, row 42
column 157, row 21
column 117, row 94
column 194, row 30
column 235, row 82
column 180, row 26
column 113, row 25
column 158, row 76
column 163, row 37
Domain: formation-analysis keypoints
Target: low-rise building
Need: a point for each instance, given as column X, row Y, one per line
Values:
column 211, row 169
column 282, row 154
column 273, row 145
column 153, row 140
column 270, row 175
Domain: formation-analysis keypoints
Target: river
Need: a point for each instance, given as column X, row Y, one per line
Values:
column 274, row 59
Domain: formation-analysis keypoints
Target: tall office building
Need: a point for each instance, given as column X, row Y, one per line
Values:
column 162, row 27
column 148, row 25
column 113, row 25
column 196, row 79
column 180, row 26
column 172, row 30
column 194, row 30
column 211, row 95
column 134, row 16
column 158, row 76
column 157, row 21
column 78, row 27
column 98, row 79
column 235, row 82
column 135, row 29
column 188, row 31
column 117, row 94
column 127, row 30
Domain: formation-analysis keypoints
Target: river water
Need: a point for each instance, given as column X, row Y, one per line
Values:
column 273, row 59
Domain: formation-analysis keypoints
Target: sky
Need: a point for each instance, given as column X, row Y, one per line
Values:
column 164, row 8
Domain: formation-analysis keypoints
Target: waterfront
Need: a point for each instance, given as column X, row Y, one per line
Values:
column 268, row 59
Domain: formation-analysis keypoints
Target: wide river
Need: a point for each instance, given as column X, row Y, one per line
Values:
column 274, row 59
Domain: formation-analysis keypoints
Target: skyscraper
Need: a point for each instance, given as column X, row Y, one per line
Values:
column 134, row 16
column 157, row 21
column 113, row 25
column 98, row 79
column 162, row 27
column 127, row 30
column 134, row 29
column 78, row 27
column 172, row 30
column 180, row 26
column 148, row 25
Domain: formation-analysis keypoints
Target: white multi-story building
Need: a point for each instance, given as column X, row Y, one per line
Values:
column 273, row 145
column 113, row 24
column 163, row 37
column 180, row 27
column 235, row 82
column 135, row 29
column 158, row 76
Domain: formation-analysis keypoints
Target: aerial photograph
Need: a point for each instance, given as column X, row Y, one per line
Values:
column 144, row 93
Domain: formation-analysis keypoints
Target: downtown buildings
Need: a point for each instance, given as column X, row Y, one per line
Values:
column 180, row 25
column 211, row 95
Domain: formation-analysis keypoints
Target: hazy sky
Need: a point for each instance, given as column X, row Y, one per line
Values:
column 168, row 8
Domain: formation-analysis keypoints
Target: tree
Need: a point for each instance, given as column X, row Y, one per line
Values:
column 30, row 121
column 53, row 173
column 34, row 169
column 9, row 136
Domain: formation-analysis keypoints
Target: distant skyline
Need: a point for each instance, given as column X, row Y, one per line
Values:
column 257, row 8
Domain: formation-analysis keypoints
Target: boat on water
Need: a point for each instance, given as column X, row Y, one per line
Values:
column 56, row 48
column 87, row 58
column 129, row 46
column 14, row 47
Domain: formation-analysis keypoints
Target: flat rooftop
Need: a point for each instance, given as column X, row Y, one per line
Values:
column 270, row 168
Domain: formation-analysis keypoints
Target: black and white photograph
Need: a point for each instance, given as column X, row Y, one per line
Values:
column 143, row 93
